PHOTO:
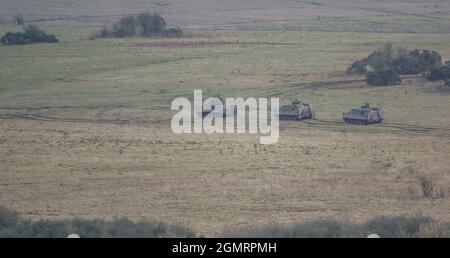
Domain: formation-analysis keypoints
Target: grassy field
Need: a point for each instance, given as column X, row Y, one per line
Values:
column 323, row 15
column 136, row 79
column 84, row 124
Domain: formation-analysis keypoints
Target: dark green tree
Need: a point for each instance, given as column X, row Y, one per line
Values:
column 384, row 77
column 19, row 20
column 144, row 25
column 31, row 34
column 36, row 35
column 126, row 27
column 358, row 67
column 381, row 59
column 151, row 24
column 436, row 74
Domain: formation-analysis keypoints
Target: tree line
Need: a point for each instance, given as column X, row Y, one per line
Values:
column 142, row 25
column 384, row 67
column 31, row 34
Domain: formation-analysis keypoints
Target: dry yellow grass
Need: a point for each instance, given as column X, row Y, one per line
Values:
column 211, row 183
column 73, row 166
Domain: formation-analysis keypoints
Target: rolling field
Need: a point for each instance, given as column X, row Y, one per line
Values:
column 317, row 15
column 85, row 124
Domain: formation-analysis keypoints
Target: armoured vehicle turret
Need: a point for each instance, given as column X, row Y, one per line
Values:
column 364, row 115
column 296, row 111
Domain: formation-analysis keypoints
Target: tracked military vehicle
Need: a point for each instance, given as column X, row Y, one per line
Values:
column 364, row 115
column 297, row 111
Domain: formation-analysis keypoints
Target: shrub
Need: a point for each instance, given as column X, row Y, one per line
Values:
column 15, row 38
column 427, row 185
column 13, row 226
column 431, row 59
column 318, row 229
column 381, row 59
column 8, row 218
column 174, row 32
column 402, row 61
column 19, row 20
column 417, row 61
column 358, row 67
column 408, row 65
column 31, row 34
column 386, row 227
column 126, row 27
column 151, row 24
column 144, row 25
column 383, row 78
column 36, row 35
column 445, row 88
column 441, row 73
column 434, row 230
column 396, row 226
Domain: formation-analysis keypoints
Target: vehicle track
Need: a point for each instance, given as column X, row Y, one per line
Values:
column 410, row 127
column 320, row 124
column 336, row 125
column 82, row 120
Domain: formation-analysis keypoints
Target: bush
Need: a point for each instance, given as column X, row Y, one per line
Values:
column 19, row 20
column 408, row 65
column 151, row 24
column 447, row 83
column 31, row 34
column 144, row 25
column 358, row 67
column 318, row 229
column 126, row 27
column 417, row 61
column 427, row 185
column 15, row 38
column 384, row 77
column 8, row 218
column 431, row 59
column 396, row 226
column 402, row 61
column 384, row 226
column 36, row 35
column 434, row 230
column 381, row 59
column 174, row 32
column 13, row 226
column 441, row 73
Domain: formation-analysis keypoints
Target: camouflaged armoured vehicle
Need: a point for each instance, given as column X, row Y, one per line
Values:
column 297, row 111
column 364, row 115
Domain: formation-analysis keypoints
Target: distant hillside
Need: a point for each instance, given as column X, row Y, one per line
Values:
column 320, row 15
